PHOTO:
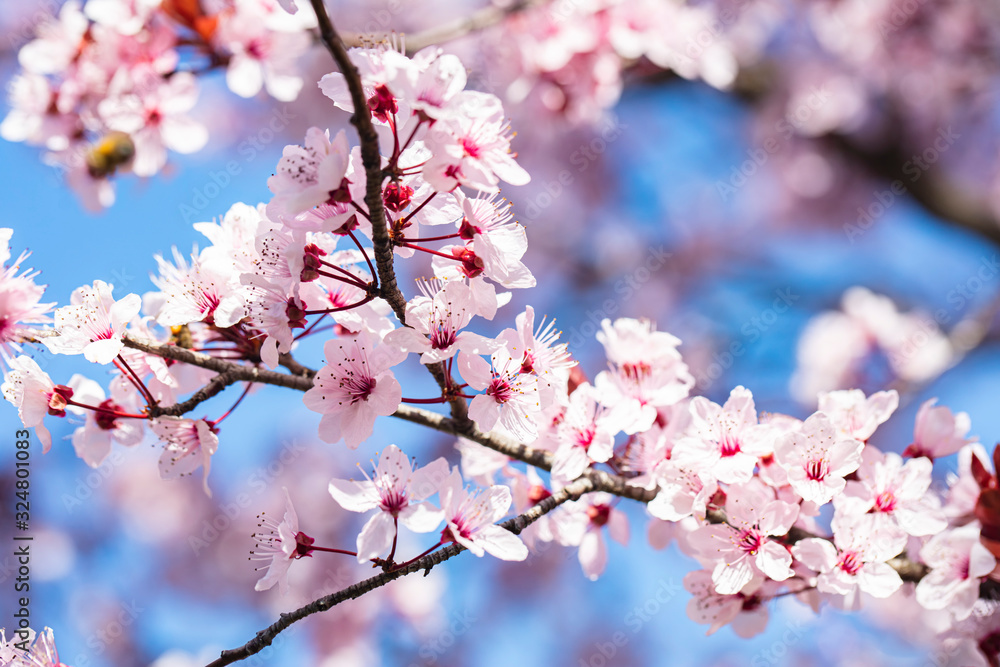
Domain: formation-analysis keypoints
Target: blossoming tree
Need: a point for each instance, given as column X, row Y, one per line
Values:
column 306, row 293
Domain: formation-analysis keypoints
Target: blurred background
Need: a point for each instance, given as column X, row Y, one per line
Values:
column 729, row 170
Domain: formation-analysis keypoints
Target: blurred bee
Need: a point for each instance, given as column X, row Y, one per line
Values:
column 181, row 336
column 113, row 150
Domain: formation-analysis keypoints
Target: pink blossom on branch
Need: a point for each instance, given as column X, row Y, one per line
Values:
column 472, row 519
column 354, row 387
column 938, row 431
column 396, row 489
column 94, row 324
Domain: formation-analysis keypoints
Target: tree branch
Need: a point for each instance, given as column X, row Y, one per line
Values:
column 484, row 18
column 371, row 158
column 214, row 387
column 515, row 525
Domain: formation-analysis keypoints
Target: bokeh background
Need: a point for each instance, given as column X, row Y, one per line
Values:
column 129, row 569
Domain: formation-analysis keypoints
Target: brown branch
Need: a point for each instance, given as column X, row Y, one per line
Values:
column 515, row 525
column 214, row 387
column 371, row 158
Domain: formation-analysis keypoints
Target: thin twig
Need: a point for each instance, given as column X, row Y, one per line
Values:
column 427, row 563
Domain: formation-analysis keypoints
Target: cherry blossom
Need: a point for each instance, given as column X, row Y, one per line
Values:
column 646, row 369
column 28, row 388
column 510, row 398
column 853, row 564
column 723, row 438
column 888, row 502
column 353, row 387
column 436, row 321
column 188, row 445
column 585, row 435
column 741, row 548
column 580, row 524
column 817, row 458
column 472, row 517
column 958, row 562
column 19, row 297
column 395, row 489
column 92, row 441
column 309, row 175
column 278, row 544
column 855, row 415
column 746, row 611
column 938, row 432
column 94, row 324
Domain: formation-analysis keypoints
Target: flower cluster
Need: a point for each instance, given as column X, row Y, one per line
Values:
column 109, row 85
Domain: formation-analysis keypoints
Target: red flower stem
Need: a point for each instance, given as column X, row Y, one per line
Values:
column 371, row 268
column 95, row 408
column 360, row 210
column 347, row 273
column 395, row 526
column 432, row 238
column 131, row 375
column 426, row 401
column 406, row 244
column 309, row 329
column 406, row 220
column 227, row 413
column 336, row 310
column 336, row 276
column 334, row 551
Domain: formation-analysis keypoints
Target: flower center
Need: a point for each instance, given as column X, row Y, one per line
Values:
column 500, row 390
column 817, row 470
column 850, row 562
column 750, row 541
column 359, row 388
column 729, row 445
column 885, row 502
column 599, row 514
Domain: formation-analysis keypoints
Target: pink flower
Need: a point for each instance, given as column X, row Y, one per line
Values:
column 938, row 432
column 722, row 439
column 207, row 290
column 857, row 416
column 741, row 548
column 188, row 445
column 435, row 322
column 581, row 523
column 19, row 297
column 471, row 146
column 92, row 441
column 309, row 175
column 497, row 240
column 261, row 57
column 817, row 459
column 888, row 502
column 852, row 564
column 958, row 562
column 155, row 118
column 683, row 490
column 279, row 545
column 510, row 397
column 28, row 388
column 93, row 325
column 395, row 489
column 353, row 388
column 746, row 611
column 472, row 517
column 646, row 369
column 585, row 435
column 541, row 355
column 58, row 42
